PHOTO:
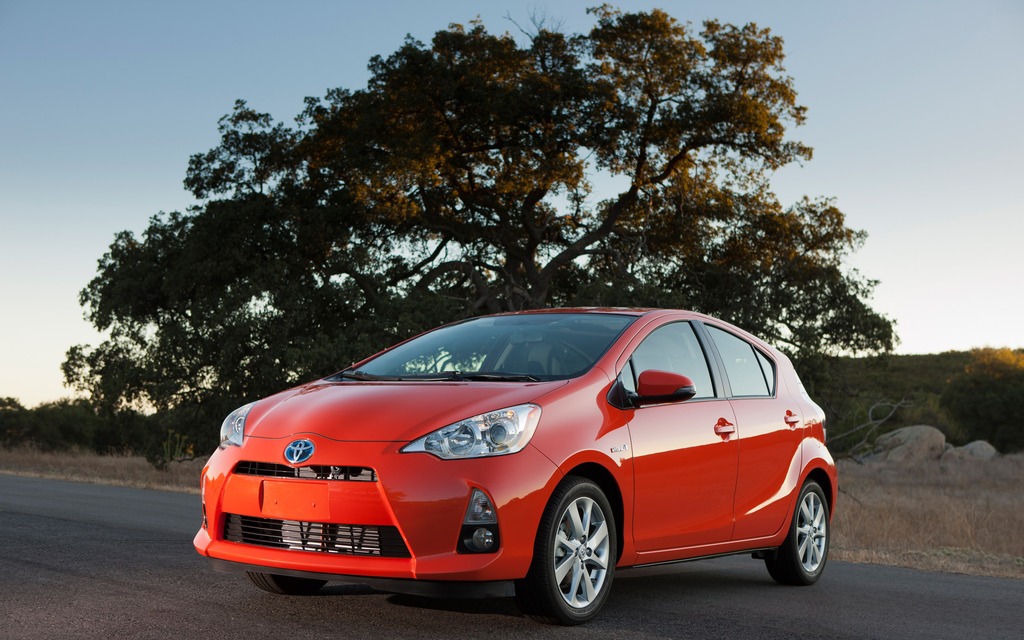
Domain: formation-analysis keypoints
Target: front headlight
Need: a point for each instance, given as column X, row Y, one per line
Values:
column 232, row 430
column 495, row 433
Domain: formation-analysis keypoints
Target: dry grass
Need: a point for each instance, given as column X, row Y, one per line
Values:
column 964, row 517
column 122, row 470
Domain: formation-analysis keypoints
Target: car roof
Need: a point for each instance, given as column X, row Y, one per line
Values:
column 632, row 311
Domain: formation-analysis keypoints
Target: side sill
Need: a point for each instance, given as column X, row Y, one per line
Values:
column 755, row 552
column 425, row 588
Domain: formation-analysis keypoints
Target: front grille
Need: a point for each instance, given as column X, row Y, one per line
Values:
column 311, row 472
column 322, row 537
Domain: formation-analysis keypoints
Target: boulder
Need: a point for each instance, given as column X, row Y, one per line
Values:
column 909, row 444
column 980, row 449
column 977, row 450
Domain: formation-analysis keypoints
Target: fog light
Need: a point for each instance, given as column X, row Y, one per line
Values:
column 478, row 539
column 483, row 539
column 479, row 532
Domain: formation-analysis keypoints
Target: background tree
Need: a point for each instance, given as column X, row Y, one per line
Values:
column 69, row 424
column 987, row 399
column 625, row 166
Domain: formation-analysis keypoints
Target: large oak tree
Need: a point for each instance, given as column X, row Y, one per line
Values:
column 480, row 173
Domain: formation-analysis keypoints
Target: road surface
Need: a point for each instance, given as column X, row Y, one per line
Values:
column 92, row 561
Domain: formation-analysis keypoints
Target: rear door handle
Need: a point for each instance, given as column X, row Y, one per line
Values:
column 724, row 427
column 791, row 418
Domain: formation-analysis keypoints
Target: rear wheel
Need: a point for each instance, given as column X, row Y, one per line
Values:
column 285, row 585
column 574, row 557
column 801, row 558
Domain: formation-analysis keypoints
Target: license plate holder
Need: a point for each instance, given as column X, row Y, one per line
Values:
column 295, row 500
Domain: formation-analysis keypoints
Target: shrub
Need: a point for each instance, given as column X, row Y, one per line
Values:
column 73, row 424
column 987, row 399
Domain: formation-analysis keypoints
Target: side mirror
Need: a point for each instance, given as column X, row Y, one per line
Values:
column 655, row 386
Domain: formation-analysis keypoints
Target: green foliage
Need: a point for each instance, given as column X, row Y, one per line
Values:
column 471, row 175
column 987, row 398
column 70, row 424
column 13, row 423
column 175, row 447
column 851, row 387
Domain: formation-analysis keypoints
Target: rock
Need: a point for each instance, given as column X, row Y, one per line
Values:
column 977, row 450
column 981, row 449
column 956, row 454
column 907, row 444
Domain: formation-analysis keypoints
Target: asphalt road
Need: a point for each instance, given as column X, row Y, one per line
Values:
column 91, row 561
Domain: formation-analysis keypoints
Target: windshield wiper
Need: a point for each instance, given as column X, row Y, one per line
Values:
column 499, row 377
column 355, row 374
column 459, row 376
column 450, row 376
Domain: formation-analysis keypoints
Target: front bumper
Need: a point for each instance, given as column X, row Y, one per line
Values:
column 427, row 588
column 414, row 505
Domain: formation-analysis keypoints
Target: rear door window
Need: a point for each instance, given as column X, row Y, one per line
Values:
column 751, row 373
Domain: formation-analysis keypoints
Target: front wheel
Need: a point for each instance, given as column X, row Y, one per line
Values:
column 801, row 558
column 285, row 585
column 574, row 556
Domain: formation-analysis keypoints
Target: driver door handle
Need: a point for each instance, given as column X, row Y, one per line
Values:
column 724, row 427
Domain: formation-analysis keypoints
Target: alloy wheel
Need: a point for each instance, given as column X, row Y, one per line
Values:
column 580, row 553
column 812, row 532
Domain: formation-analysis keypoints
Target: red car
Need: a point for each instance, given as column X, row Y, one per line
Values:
column 529, row 455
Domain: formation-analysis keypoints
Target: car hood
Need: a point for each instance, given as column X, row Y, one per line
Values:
column 359, row 411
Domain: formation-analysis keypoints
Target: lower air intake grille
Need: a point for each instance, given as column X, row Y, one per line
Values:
column 322, row 537
column 312, row 472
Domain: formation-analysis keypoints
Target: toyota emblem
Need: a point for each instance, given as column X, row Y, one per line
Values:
column 298, row 451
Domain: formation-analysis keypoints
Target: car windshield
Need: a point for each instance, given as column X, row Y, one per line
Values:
column 544, row 346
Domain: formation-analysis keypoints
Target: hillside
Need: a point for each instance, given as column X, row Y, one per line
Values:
column 855, row 385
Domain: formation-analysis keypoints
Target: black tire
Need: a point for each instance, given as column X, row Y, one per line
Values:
column 801, row 558
column 285, row 585
column 581, row 550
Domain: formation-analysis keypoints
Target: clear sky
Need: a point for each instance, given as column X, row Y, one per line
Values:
column 915, row 116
